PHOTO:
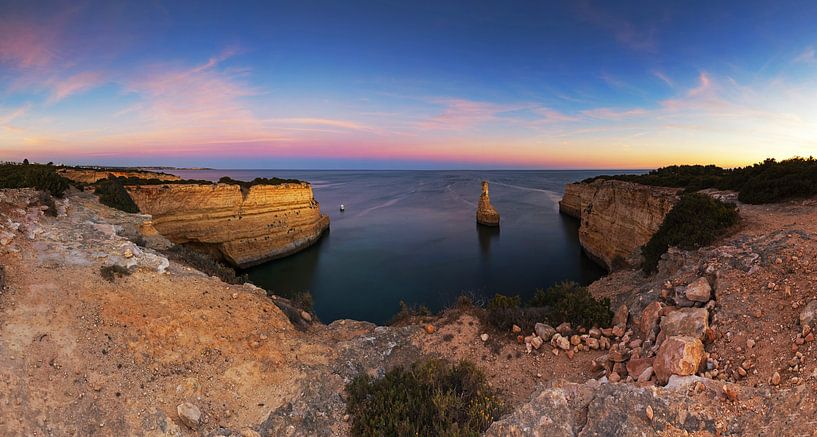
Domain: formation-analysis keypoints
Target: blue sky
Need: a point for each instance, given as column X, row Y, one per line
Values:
column 388, row 84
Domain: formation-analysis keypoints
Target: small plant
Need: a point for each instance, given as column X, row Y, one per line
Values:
column 431, row 398
column 695, row 221
column 303, row 300
column 110, row 273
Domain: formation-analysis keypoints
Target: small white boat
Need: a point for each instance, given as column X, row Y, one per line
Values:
column 342, row 208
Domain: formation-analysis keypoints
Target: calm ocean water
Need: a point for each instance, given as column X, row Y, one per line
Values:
column 412, row 236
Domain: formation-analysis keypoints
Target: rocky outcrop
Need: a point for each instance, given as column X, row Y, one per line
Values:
column 486, row 214
column 89, row 176
column 617, row 218
column 247, row 226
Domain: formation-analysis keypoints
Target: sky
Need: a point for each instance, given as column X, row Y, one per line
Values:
column 347, row 84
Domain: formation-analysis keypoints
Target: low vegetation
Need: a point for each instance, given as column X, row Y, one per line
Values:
column 257, row 181
column 431, row 397
column 765, row 182
column 695, row 221
column 205, row 264
column 112, row 193
column 110, row 273
column 564, row 302
column 38, row 176
column 408, row 312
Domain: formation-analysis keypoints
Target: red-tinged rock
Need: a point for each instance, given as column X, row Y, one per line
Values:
column 691, row 322
column 621, row 316
column 678, row 355
column 430, row 329
column 636, row 366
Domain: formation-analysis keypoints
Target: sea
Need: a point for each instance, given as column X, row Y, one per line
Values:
column 412, row 237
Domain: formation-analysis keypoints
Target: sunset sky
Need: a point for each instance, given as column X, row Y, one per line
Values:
column 407, row 84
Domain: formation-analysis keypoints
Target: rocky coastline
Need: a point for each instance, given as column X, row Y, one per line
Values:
column 719, row 341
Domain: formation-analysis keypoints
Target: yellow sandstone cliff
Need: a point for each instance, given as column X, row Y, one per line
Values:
column 89, row 176
column 617, row 217
column 486, row 214
column 246, row 226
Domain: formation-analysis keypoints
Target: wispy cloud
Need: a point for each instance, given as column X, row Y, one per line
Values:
column 664, row 78
column 614, row 113
column 807, row 57
column 626, row 32
column 78, row 83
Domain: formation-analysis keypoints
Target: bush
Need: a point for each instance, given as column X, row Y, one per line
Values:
column 112, row 192
column 257, row 181
column 766, row 182
column 695, row 221
column 563, row 302
column 408, row 312
column 205, row 264
column 430, row 398
column 110, row 273
column 37, row 176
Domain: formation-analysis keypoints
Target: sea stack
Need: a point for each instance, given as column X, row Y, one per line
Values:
column 486, row 214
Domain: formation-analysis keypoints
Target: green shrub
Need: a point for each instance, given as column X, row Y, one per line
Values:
column 765, row 182
column 695, row 221
column 257, row 181
column 408, row 312
column 112, row 192
column 37, row 176
column 563, row 302
column 110, row 273
column 431, row 398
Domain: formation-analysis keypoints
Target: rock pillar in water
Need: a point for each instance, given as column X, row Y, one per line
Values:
column 486, row 214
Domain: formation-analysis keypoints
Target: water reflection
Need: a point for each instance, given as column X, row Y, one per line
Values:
column 487, row 235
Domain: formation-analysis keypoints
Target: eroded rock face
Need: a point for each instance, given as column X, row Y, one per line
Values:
column 617, row 218
column 247, row 227
column 678, row 355
column 486, row 214
column 91, row 176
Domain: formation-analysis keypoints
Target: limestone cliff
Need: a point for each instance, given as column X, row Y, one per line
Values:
column 486, row 214
column 617, row 217
column 246, row 226
column 89, row 176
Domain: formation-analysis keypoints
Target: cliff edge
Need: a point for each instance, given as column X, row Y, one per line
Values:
column 90, row 176
column 617, row 218
column 246, row 226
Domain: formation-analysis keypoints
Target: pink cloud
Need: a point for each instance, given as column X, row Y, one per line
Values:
column 73, row 85
column 614, row 113
column 807, row 57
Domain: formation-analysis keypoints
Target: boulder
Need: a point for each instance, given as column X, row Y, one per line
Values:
column 636, row 366
column 678, row 355
column 808, row 316
column 691, row 322
column 544, row 331
column 698, row 291
column 486, row 214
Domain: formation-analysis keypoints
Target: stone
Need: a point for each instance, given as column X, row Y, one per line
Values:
column 592, row 343
column 484, row 337
column 516, row 329
column 430, row 329
column 730, row 392
column 306, row 316
column 648, row 411
column 636, row 366
column 649, row 318
column 536, row 342
column 698, row 291
column 564, row 328
column 808, row 316
column 544, row 331
column 618, row 331
column 692, row 322
column 646, row 374
column 775, row 379
column 614, row 377
column 560, row 342
column 189, row 414
column 594, row 332
column 678, row 355
column 486, row 214
column 621, row 316
column 575, row 340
